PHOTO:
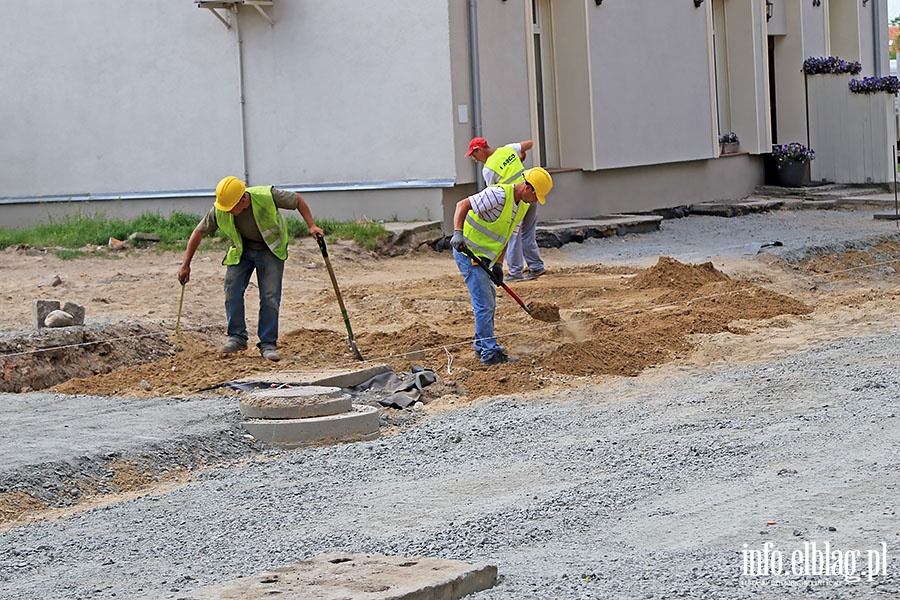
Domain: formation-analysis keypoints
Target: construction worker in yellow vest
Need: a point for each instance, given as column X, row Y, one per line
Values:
column 259, row 239
column 504, row 165
column 483, row 223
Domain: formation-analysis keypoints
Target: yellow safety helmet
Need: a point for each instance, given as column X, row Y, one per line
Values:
column 229, row 192
column 541, row 181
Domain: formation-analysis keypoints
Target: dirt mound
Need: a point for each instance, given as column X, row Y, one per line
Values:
column 38, row 359
column 627, row 344
column 669, row 273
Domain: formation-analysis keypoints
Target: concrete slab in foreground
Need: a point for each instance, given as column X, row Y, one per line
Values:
column 339, row 576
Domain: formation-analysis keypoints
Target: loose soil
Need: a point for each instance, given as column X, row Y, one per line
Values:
column 411, row 310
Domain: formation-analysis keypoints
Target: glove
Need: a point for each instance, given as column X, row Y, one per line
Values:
column 457, row 241
column 497, row 274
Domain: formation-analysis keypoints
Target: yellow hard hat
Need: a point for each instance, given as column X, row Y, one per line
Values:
column 229, row 192
column 541, row 181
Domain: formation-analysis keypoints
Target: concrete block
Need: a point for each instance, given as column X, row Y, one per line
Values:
column 361, row 423
column 40, row 309
column 342, row 378
column 339, row 576
column 300, row 402
column 76, row 310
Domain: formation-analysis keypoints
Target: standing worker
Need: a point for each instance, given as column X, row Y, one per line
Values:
column 259, row 239
column 483, row 222
column 504, row 165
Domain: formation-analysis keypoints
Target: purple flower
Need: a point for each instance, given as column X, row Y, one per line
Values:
column 831, row 65
column 728, row 138
column 873, row 85
column 785, row 154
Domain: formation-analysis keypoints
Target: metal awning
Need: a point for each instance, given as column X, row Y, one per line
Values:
column 232, row 5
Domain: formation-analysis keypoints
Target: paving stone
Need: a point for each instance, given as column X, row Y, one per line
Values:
column 77, row 312
column 40, row 309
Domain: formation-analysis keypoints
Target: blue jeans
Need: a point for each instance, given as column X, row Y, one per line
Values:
column 269, row 272
column 483, row 294
column 523, row 245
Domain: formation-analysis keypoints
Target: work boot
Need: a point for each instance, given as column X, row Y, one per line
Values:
column 233, row 345
column 499, row 359
column 270, row 354
column 534, row 274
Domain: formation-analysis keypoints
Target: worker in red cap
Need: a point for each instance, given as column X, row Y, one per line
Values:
column 502, row 166
column 259, row 238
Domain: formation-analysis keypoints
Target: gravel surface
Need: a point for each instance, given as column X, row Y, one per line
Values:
column 649, row 487
column 700, row 238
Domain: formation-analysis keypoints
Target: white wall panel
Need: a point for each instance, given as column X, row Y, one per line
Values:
column 651, row 85
column 103, row 96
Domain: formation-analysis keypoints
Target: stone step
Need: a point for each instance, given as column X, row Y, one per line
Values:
column 553, row 234
column 735, row 209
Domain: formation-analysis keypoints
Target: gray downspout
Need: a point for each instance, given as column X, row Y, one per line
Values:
column 240, row 58
column 475, row 76
column 878, row 37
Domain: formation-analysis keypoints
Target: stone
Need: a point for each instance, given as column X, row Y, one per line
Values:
column 59, row 318
column 51, row 281
column 40, row 309
column 76, row 310
column 137, row 236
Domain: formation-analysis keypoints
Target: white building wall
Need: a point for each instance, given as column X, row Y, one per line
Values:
column 122, row 97
column 103, row 96
column 651, row 106
column 333, row 98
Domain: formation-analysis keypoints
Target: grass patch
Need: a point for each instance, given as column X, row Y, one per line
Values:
column 70, row 254
column 75, row 232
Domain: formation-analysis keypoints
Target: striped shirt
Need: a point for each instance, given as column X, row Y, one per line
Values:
column 488, row 203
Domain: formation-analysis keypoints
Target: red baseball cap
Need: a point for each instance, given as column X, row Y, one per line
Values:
column 475, row 144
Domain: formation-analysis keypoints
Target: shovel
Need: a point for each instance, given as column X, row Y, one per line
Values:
column 180, row 306
column 321, row 241
column 541, row 315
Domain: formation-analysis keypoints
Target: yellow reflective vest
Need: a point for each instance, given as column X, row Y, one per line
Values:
column 271, row 225
column 488, row 238
column 506, row 163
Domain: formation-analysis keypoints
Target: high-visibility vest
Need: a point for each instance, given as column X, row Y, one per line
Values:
column 271, row 225
column 488, row 239
column 506, row 163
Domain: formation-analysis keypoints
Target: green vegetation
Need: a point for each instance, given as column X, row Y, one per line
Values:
column 70, row 235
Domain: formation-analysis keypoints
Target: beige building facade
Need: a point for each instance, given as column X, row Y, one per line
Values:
column 367, row 108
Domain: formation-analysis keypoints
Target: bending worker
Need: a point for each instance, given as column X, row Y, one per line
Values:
column 483, row 223
column 259, row 239
column 504, row 165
